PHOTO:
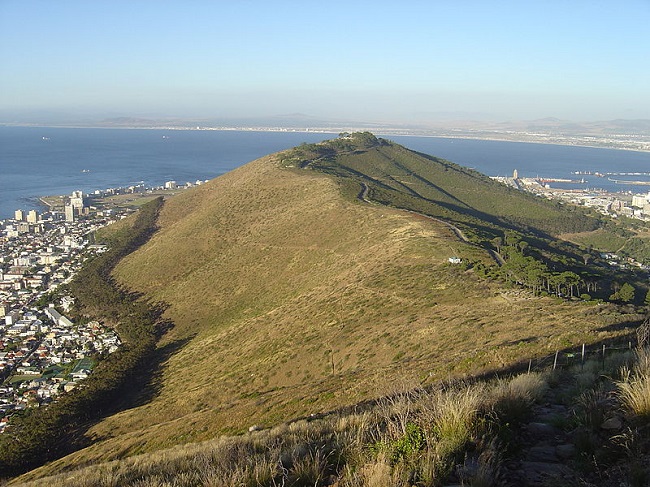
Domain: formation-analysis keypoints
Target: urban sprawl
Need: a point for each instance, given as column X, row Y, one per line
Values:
column 42, row 352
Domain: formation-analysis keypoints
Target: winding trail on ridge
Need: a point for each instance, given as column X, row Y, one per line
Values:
column 363, row 196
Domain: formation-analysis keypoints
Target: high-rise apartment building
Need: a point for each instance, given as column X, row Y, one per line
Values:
column 32, row 216
column 69, row 213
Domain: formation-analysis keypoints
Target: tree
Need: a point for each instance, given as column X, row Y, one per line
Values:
column 646, row 301
column 497, row 242
column 572, row 281
column 536, row 275
column 626, row 293
column 523, row 245
column 511, row 238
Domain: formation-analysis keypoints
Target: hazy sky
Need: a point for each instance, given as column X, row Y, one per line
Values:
column 361, row 60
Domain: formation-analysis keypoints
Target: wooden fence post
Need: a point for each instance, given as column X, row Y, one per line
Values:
column 555, row 361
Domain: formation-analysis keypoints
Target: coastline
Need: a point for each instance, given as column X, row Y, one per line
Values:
column 52, row 201
column 482, row 153
column 526, row 141
column 625, row 144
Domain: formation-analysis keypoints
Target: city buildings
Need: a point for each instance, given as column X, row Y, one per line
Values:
column 607, row 203
column 42, row 352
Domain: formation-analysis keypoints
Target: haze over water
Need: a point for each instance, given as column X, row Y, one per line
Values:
column 37, row 162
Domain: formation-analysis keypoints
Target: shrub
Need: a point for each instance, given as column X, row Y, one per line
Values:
column 512, row 399
column 634, row 388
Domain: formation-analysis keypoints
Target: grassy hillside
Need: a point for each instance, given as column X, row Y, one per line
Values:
column 291, row 296
column 403, row 178
column 582, row 425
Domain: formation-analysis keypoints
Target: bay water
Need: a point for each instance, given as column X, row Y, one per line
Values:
column 42, row 161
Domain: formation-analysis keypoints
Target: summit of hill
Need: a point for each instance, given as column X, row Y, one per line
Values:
column 320, row 277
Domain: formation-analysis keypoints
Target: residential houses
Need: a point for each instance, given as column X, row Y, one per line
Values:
column 40, row 348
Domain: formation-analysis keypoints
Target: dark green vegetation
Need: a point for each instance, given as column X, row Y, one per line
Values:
column 398, row 177
column 299, row 285
column 39, row 435
column 520, row 227
column 625, row 236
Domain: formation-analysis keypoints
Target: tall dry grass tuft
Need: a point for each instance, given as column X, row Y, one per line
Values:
column 455, row 412
column 311, row 468
column 489, row 466
column 634, row 386
column 510, row 400
column 380, row 473
column 590, row 407
column 642, row 361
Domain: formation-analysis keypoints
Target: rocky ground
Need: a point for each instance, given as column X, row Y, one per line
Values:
column 578, row 440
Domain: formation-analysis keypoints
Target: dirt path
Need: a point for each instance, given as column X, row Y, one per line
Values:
column 363, row 196
column 546, row 452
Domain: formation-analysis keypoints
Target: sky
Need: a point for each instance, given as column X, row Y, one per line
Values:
column 372, row 61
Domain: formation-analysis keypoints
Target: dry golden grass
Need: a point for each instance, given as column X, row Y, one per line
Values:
column 288, row 300
column 634, row 388
column 412, row 436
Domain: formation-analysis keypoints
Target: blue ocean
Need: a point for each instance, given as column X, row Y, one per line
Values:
column 36, row 162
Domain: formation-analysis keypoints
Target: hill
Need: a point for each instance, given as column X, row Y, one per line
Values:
column 319, row 277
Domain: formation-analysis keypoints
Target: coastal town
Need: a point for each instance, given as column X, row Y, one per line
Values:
column 43, row 353
column 613, row 204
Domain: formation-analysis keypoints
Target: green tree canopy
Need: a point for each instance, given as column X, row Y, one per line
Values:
column 626, row 293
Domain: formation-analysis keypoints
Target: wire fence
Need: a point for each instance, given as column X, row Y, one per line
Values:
column 566, row 358
column 594, row 352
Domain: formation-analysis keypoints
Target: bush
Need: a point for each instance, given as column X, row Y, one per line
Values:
column 634, row 388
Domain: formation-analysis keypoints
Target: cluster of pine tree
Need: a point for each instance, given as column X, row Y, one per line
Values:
column 556, row 273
